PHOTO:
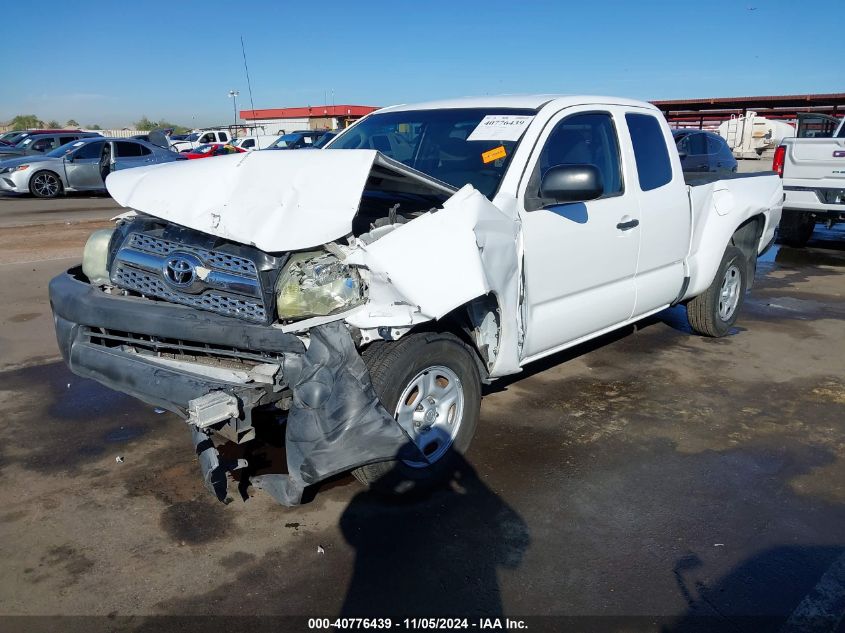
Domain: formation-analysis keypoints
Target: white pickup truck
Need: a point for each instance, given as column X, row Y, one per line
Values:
column 365, row 292
column 201, row 137
column 813, row 172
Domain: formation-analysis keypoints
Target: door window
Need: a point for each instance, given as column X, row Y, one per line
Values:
column 248, row 143
column 653, row 166
column 89, row 150
column 582, row 139
column 714, row 146
column 207, row 138
column 127, row 149
column 44, row 144
column 697, row 144
column 223, row 137
column 67, row 139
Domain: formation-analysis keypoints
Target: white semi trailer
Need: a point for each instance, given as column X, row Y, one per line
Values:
column 750, row 135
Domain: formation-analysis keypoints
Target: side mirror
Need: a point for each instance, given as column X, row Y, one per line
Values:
column 682, row 154
column 69, row 158
column 571, row 183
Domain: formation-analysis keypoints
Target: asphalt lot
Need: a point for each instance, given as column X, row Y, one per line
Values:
column 650, row 473
column 25, row 210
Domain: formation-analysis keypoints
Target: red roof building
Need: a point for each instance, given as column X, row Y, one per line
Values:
column 714, row 110
column 317, row 117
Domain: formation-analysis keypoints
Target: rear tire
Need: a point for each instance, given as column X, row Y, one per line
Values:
column 395, row 369
column 45, row 184
column 796, row 228
column 714, row 312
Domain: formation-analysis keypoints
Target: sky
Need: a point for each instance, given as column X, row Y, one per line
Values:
column 112, row 62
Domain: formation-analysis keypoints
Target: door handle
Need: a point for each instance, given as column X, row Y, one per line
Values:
column 626, row 226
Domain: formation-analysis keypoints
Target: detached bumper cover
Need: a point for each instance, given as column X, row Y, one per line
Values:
column 335, row 423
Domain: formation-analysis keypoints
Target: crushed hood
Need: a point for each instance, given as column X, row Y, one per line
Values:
column 276, row 201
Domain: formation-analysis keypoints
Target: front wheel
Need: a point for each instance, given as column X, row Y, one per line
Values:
column 45, row 184
column 430, row 383
column 713, row 312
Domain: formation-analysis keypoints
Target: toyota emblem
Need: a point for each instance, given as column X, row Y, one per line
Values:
column 180, row 269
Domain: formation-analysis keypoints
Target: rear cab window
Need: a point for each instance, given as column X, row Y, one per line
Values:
column 654, row 168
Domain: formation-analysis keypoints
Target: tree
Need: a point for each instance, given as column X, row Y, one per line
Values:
column 94, row 127
column 25, row 122
column 53, row 124
column 146, row 124
column 72, row 123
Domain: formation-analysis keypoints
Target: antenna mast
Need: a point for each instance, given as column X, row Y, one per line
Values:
column 248, row 83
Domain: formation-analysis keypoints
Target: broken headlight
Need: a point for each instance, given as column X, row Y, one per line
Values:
column 317, row 284
column 95, row 257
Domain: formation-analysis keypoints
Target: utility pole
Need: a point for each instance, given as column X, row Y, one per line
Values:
column 234, row 94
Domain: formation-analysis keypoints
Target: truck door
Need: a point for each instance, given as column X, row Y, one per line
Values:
column 664, row 210
column 579, row 258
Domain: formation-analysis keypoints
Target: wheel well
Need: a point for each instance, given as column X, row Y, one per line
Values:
column 747, row 239
column 46, row 171
column 477, row 323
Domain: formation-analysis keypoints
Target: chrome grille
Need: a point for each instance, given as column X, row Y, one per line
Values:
column 231, row 288
column 153, row 286
column 214, row 259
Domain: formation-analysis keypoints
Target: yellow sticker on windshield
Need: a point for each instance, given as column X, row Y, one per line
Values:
column 494, row 154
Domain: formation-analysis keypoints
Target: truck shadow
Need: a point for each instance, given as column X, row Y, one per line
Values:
column 761, row 593
column 431, row 551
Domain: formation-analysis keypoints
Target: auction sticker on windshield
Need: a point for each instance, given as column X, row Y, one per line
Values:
column 500, row 127
column 494, row 154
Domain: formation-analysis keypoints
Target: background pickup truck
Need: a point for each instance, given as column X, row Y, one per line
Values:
column 204, row 137
column 813, row 172
column 363, row 293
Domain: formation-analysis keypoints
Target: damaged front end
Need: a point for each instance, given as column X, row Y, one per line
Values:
column 220, row 312
column 217, row 372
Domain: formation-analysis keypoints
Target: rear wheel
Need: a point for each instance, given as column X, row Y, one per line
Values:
column 45, row 184
column 430, row 383
column 795, row 229
column 713, row 312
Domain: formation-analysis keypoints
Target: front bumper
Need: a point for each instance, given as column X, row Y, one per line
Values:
column 335, row 421
column 16, row 182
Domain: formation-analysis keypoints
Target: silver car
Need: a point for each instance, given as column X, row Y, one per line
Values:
column 81, row 165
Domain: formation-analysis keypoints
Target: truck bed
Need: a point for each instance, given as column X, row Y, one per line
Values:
column 697, row 179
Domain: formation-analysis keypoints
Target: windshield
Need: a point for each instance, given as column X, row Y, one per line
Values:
column 324, row 139
column 451, row 145
column 15, row 139
column 64, row 150
column 287, row 140
column 203, row 149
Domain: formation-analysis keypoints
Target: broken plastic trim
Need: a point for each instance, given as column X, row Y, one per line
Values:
column 336, row 421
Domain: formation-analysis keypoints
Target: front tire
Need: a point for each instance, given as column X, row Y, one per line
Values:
column 45, row 184
column 796, row 229
column 430, row 383
column 714, row 312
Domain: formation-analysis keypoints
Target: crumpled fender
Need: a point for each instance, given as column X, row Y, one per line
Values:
column 440, row 261
column 718, row 210
column 336, row 421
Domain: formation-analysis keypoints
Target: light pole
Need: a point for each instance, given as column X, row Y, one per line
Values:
column 234, row 94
